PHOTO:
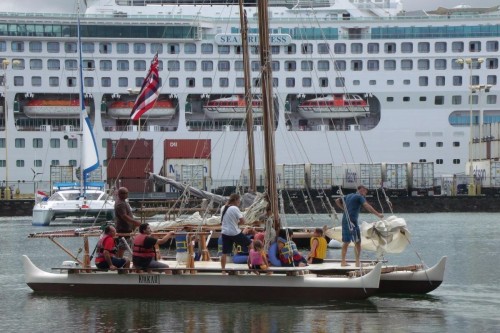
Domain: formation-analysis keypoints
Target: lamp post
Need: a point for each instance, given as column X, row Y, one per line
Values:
column 470, row 63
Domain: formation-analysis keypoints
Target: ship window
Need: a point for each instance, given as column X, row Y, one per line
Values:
column 390, row 99
column 190, row 65
column 123, row 81
column 223, row 66
column 2, row 163
column 340, row 65
column 174, row 65
column 372, row 65
column 88, row 65
column 36, row 81
column 323, row 65
column 491, row 79
column 275, row 82
column 390, row 47
column 457, row 81
column 70, row 64
column 55, row 143
column 275, row 66
column 37, row 143
column 323, row 82
column 105, row 48
column 207, row 82
column 474, row 79
column 190, row 82
column 457, row 47
column 456, row 65
column 424, row 47
column 88, row 47
column 492, row 46
column 439, row 100
column 173, row 48
column 491, row 99
column 323, row 48
column 207, row 65
column 439, row 144
column 290, row 82
column 275, row 49
column 356, row 65
column 72, row 163
column 72, row 143
column 372, row 82
column 19, row 143
column 2, row 142
column 54, row 81
column 406, row 47
column 290, row 66
column 475, row 46
column 306, row 82
column 456, row 161
column 88, row 82
column 406, row 144
column 238, row 65
column 356, row 48
column 422, row 144
column 456, row 143
column 406, row 99
column 223, row 82
column 339, row 82
column 492, row 63
column 53, row 47
column 422, row 99
column 291, row 49
column 207, row 48
column 406, row 64
column 122, row 48
column 18, row 81
column 106, row 81
column 306, row 65
column 456, row 99
column 440, row 47
column 255, row 82
column 17, row 46
column 105, row 65
column 190, row 48
column 390, row 65
column 3, row 46
column 20, row 163
column 223, row 49
column 440, row 64
column 254, row 49
column 240, row 82
column 173, row 82
column 406, row 82
column 36, row 64
column 53, row 64
column 439, row 161
column 71, row 81
column 373, row 48
column 37, row 163
column 237, row 49
column 440, row 81
column 339, row 48
column 139, row 48
column 474, row 99
column 122, row 65
column 423, row 64
column 54, row 162
column 158, row 48
column 390, row 82
column 35, row 47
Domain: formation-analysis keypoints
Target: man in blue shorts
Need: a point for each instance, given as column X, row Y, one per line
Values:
column 231, row 233
column 350, row 227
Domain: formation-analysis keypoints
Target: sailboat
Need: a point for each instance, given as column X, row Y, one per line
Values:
column 83, row 198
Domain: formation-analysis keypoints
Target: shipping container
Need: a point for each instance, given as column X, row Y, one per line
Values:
column 194, row 175
column 61, row 173
column 187, row 148
column 421, row 175
column 291, row 176
column 395, row 176
column 319, row 176
column 173, row 168
column 495, row 174
column 337, row 175
column 125, row 149
column 260, row 177
column 133, row 185
column 371, row 175
column 129, row 168
column 351, row 175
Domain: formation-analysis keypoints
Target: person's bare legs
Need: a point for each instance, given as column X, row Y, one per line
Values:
column 357, row 249
column 343, row 253
column 223, row 262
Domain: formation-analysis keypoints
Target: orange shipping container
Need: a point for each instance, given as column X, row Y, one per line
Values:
column 125, row 148
column 187, row 148
column 129, row 168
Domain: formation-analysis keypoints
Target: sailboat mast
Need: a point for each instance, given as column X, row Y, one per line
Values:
column 248, row 97
column 268, row 110
column 82, row 102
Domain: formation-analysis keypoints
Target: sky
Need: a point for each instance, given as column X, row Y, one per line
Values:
column 69, row 5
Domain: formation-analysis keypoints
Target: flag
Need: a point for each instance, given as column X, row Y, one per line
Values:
column 41, row 196
column 149, row 91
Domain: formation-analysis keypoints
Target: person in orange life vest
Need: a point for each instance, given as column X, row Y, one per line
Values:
column 125, row 222
column 318, row 247
column 106, row 250
column 144, row 254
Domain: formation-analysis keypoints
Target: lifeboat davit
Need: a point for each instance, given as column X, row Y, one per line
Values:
column 334, row 106
column 163, row 109
column 233, row 107
column 53, row 108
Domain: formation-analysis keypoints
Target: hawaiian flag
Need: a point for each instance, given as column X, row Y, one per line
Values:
column 149, row 91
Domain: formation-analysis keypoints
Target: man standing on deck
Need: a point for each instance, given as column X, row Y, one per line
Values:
column 351, row 205
column 125, row 222
column 231, row 218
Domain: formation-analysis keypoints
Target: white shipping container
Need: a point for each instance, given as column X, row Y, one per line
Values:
column 260, row 177
column 351, row 175
column 319, row 176
column 371, row 175
column 495, row 149
column 481, row 170
column 338, row 175
column 193, row 174
column 173, row 168
column 421, row 175
column 495, row 174
column 395, row 176
column 293, row 176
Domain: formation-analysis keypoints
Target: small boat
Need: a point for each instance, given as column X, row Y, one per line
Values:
column 233, row 107
column 335, row 106
column 163, row 109
column 53, row 108
column 68, row 201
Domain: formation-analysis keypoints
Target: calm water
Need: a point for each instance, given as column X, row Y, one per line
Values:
column 468, row 300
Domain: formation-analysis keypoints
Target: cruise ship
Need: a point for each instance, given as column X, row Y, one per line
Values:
column 355, row 81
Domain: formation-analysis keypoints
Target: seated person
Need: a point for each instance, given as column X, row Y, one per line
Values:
column 318, row 247
column 257, row 258
column 143, row 251
column 106, row 251
column 289, row 255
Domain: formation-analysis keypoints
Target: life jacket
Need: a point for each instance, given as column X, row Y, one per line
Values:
column 139, row 250
column 320, row 252
column 181, row 243
column 286, row 253
column 100, row 248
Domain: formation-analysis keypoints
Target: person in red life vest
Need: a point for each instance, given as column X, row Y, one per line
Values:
column 144, row 254
column 318, row 247
column 106, row 250
column 125, row 222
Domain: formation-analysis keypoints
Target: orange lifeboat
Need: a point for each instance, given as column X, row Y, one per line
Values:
column 334, row 106
column 52, row 108
column 233, row 107
column 163, row 109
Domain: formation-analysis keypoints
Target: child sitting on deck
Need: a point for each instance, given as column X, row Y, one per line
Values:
column 257, row 258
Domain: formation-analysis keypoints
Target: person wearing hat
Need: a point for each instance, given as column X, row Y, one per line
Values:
column 351, row 205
